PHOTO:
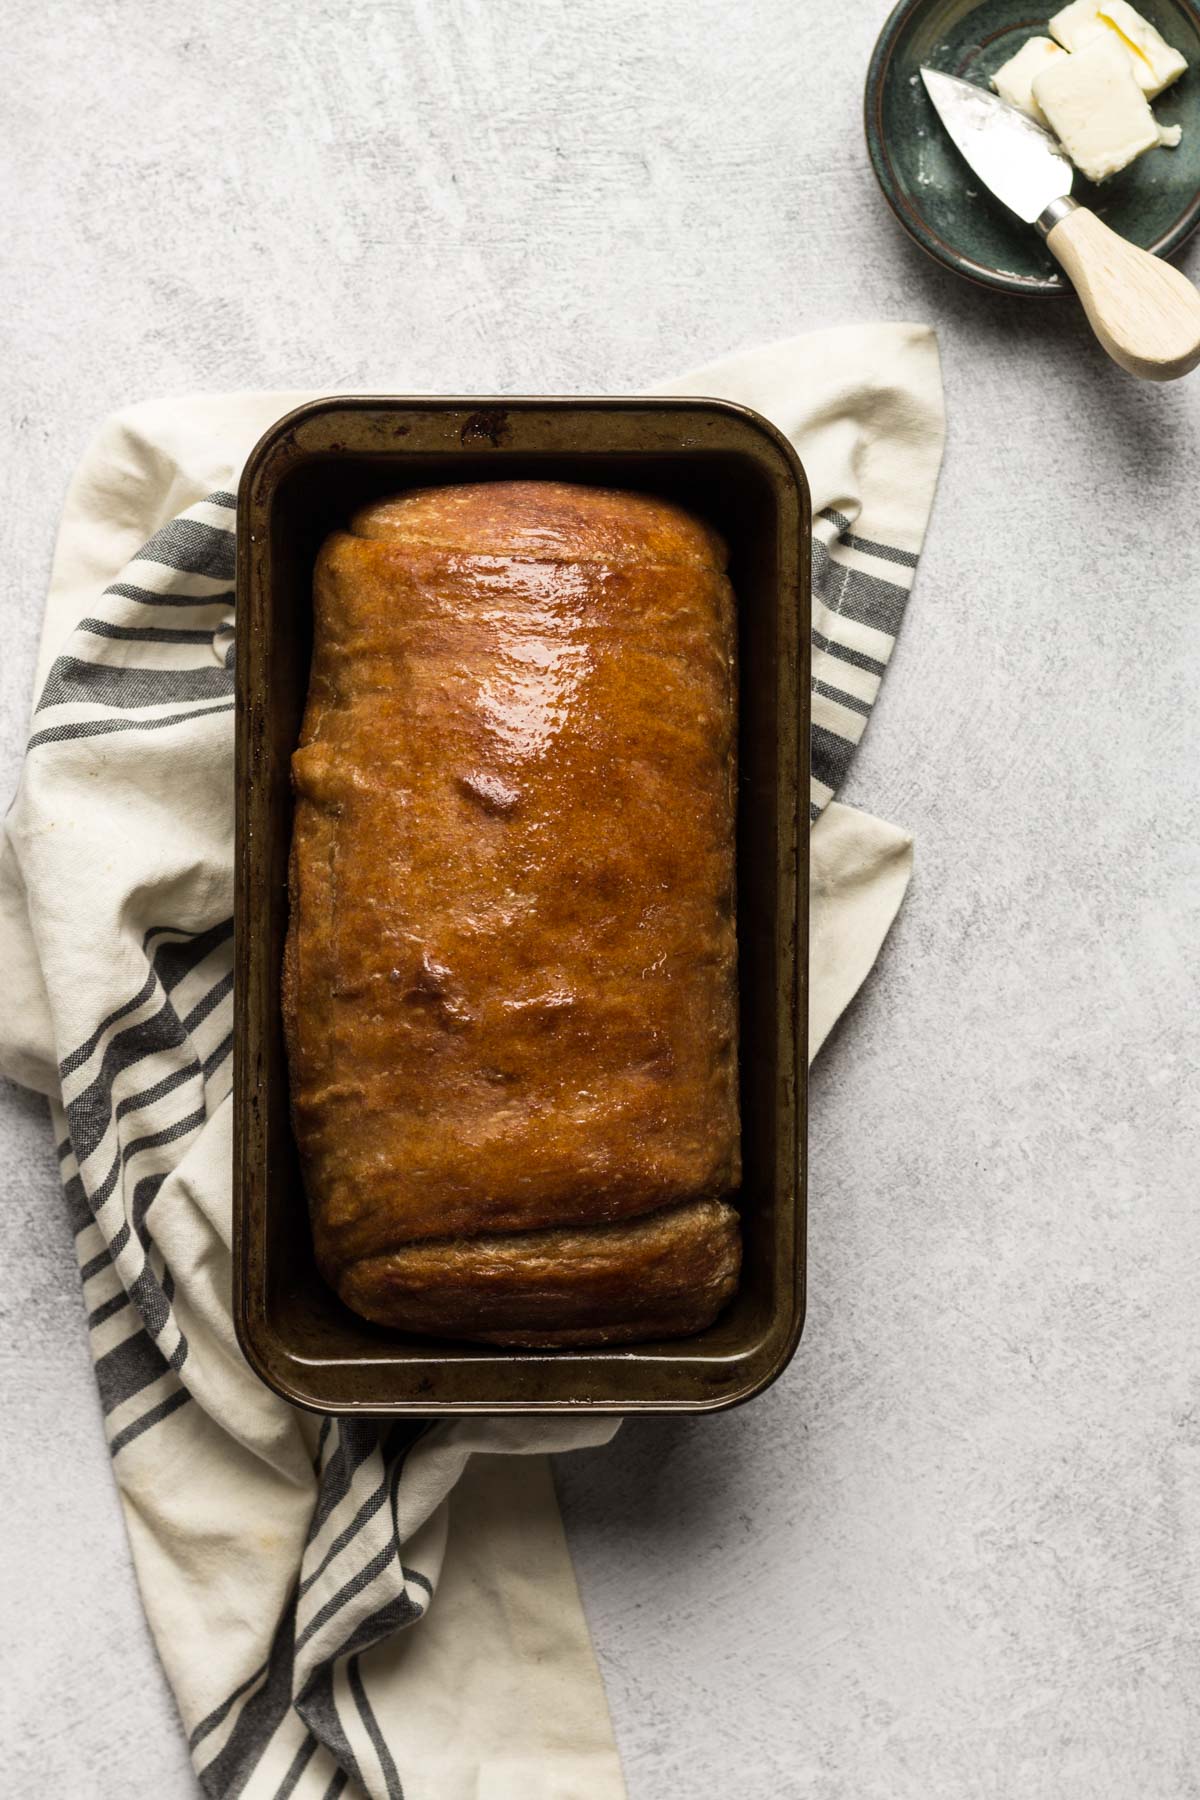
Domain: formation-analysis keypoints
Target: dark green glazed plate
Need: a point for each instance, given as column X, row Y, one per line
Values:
column 947, row 210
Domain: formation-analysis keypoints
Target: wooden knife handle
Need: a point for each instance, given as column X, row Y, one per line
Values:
column 1145, row 313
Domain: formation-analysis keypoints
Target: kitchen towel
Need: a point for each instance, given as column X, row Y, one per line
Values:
column 341, row 1607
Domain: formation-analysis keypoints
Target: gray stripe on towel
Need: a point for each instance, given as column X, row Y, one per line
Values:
column 74, row 682
column 192, row 549
column 868, row 599
column 59, row 734
column 163, row 1410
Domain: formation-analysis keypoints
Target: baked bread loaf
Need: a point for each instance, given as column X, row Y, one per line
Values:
column 509, row 985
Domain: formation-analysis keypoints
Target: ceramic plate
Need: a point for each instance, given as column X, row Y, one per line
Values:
column 948, row 211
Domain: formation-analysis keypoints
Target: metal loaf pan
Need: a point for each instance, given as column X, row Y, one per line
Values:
column 303, row 479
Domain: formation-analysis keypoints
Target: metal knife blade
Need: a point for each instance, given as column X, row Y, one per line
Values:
column 1022, row 164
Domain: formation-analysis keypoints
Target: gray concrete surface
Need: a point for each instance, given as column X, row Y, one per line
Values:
column 954, row 1553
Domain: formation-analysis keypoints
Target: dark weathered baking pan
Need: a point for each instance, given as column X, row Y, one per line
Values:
column 305, row 477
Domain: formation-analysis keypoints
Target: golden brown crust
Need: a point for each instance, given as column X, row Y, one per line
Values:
column 509, row 983
column 660, row 1276
column 543, row 521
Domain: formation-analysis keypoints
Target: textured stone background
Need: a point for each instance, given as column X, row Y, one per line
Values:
column 953, row 1554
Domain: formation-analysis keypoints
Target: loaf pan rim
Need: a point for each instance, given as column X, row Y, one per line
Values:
column 317, row 1385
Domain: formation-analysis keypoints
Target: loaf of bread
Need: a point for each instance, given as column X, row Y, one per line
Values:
column 509, row 986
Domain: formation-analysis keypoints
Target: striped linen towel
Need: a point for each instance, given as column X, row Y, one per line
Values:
column 281, row 1560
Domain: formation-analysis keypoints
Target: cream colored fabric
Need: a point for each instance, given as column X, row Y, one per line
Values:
column 859, row 870
column 862, row 404
column 494, row 1694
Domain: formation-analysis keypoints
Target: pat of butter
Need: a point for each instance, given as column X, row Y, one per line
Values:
column 1096, row 108
column 1077, row 24
column 1013, row 81
column 1155, row 63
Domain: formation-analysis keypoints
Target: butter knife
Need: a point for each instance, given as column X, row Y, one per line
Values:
column 1144, row 312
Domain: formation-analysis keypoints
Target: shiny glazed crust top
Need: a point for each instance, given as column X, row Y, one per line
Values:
column 509, row 983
